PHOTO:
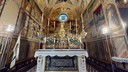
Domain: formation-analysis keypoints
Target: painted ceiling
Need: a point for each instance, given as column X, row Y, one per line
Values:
column 52, row 8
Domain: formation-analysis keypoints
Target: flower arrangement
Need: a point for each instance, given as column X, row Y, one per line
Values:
column 74, row 41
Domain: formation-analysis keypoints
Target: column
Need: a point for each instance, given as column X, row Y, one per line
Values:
column 82, row 64
column 40, row 64
column 43, row 65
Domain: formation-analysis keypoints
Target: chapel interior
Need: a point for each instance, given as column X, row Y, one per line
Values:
column 63, row 35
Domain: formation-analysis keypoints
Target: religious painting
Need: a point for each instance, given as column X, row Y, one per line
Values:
column 93, row 30
column 21, row 22
column 2, row 4
column 112, row 47
column 96, row 48
column 27, row 5
column 36, row 12
column 106, row 57
column 105, row 52
column 33, row 46
column 112, row 17
column 65, row 63
column 121, row 47
column 90, row 30
column 24, row 49
column 101, row 49
column 91, row 48
column 32, row 29
column 99, row 20
column 123, row 10
column 25, row 26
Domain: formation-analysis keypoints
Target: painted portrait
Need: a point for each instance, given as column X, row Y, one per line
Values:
column 112, row 17
column 99, row 20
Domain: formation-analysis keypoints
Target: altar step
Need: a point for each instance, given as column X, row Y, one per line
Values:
column 92, row 65
column 89, row 69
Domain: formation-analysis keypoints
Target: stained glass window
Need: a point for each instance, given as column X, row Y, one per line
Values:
column 63, row 17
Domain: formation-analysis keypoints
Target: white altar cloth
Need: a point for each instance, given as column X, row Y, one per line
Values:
column 43, row 53
column 61, row 52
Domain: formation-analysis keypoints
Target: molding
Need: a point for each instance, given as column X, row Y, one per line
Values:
column 61, row 52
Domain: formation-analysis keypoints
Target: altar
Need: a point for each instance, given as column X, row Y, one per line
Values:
column 61, row 60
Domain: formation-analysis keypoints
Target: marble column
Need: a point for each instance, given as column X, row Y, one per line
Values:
column 82, row 64
column 40, row 64
column 43, row 64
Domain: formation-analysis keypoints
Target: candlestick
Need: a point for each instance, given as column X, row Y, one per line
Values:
column 45, row 39
column 48, row 22
column 80, row 42
column 54, row 25
column 70, row 25
column 48, row 25
column 54, row 40
column 82, row 20
column 76, row 26
column 42, row 18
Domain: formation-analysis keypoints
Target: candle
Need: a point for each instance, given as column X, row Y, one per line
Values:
column 42, row 18
column 70, row 25
column 54, row 40
column 82, row 20
column 76, row 26
column 80, row 42
column 68, row 39
column 54, row 25
column 48, row 25
column 45, row 39
column 48, row 22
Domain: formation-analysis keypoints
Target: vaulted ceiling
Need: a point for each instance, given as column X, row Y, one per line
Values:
column 52, row 8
